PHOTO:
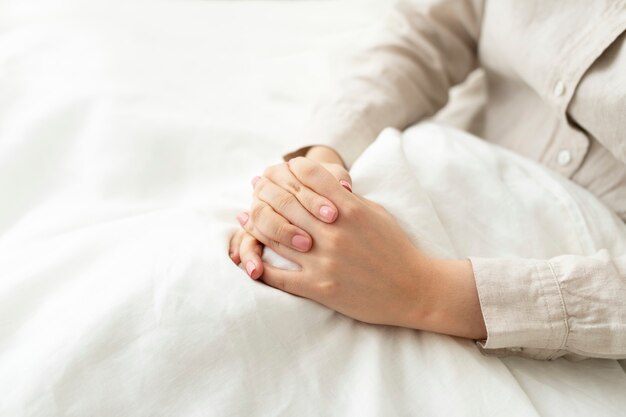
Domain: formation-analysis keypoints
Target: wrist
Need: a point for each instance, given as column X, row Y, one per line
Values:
column 450, row 302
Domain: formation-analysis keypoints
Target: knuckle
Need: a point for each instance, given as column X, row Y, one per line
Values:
column 313, row 202
column 271, row 171
column 257, row 210
column 298, row 160
column 351, row 209
column 331, row 264
column 303, row 166
column 273, row 245
column 334, row 239
column 309, row 171
column 328, row 288
column 281, row 232
column 338, row 172
column 285, row 201
column 294, row 186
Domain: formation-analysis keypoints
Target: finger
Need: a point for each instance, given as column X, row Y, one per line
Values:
column 277, row 228
column 318, row 179
column 341, row 174
column 285, row 204
column 286, row 252
column 292, row 282
column 318, row 205
column 233, row 248
column 251, row 251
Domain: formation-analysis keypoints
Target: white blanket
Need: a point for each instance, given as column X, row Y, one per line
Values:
column 128, row 135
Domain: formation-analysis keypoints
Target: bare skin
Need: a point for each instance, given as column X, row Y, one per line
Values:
column 277, row 188
column 354, row 256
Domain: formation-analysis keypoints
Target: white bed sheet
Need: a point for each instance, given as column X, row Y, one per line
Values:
column 129, row 131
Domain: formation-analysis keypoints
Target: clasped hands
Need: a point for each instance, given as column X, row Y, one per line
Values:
column 354, row 258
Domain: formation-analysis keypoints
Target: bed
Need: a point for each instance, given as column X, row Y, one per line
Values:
column 129, row 131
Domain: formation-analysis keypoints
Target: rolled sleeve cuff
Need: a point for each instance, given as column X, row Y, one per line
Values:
column 522, row 306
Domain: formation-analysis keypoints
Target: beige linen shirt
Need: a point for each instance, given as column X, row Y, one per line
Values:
column 555, row 74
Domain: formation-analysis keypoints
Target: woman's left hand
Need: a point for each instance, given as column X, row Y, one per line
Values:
column 364, row 266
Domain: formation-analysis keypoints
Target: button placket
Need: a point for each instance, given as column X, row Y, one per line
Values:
column 564, row 157
column 559, row 88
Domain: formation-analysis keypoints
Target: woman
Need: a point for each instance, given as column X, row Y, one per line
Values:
column 556, row 82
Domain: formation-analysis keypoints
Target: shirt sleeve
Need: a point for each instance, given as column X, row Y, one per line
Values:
column 572, row 306
column 424, row 49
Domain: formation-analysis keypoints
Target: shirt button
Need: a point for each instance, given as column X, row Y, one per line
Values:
column 559, row 89
column 516, row 349
column 564, row 157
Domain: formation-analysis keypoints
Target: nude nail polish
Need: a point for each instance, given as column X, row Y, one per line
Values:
column 243, row 217
column 345, row 184
column 250, row 268
column 255, row 180
column 328, row 213
column 300, row 242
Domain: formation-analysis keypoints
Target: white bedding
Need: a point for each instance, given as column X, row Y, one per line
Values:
column 128, row 134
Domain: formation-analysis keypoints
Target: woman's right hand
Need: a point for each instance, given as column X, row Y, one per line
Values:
column 278, row 226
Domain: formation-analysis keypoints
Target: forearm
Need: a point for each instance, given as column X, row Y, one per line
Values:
column 405, row 74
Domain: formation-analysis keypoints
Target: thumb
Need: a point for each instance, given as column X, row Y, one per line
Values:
column 339, row 172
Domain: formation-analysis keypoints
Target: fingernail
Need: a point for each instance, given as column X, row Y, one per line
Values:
column 250, row 268
column 328, row 213
column 243, row 217
column 345, row 184
column 301, row 242
column 255, row 180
